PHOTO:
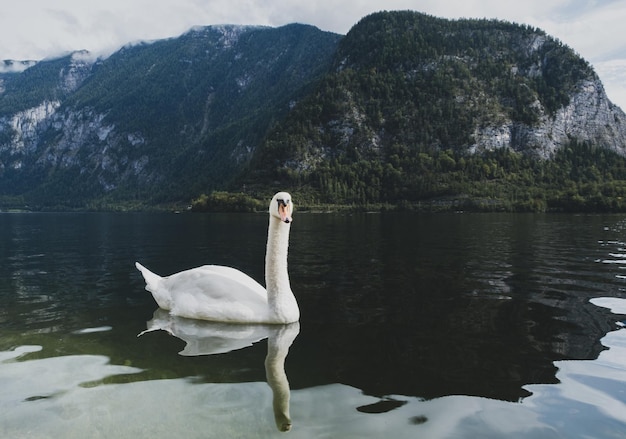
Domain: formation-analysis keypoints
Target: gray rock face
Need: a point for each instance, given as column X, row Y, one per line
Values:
column 590, row 116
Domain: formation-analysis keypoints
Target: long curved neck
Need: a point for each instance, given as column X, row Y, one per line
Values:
column 282, row 304
column 276, row 275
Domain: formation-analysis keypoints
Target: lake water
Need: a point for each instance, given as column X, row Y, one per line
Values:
column 437, row 326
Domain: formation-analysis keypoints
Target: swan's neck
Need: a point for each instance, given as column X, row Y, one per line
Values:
column 280, row 298
column 276, row 275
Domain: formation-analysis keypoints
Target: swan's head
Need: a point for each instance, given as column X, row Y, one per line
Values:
column 281, row 207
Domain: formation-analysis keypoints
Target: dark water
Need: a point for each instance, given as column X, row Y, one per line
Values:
column 412, row 326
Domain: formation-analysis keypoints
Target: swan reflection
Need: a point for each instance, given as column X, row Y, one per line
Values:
column 209, row 338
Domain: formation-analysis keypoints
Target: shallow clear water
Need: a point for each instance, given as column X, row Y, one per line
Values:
column 412, row 326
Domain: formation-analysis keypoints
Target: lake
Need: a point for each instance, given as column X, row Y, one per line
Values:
column 412, row 325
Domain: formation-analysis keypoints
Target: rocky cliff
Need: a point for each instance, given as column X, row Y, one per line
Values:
column 589, row 116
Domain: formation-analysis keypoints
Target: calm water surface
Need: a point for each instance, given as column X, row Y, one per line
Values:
column 433, row 326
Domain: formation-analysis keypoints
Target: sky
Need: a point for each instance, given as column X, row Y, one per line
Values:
column 37, row 29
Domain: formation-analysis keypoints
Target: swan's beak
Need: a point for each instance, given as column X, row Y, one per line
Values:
column 284, row 210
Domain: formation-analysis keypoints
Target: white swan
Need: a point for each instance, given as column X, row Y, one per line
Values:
column 224, row 294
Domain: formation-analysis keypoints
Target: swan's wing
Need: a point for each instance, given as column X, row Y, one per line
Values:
column 218, row 282
column 214, row 292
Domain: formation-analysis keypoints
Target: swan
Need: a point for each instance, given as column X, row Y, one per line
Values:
column 224, row 294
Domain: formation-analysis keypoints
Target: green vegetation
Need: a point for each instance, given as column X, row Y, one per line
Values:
column 579, row 178
column 227, row 202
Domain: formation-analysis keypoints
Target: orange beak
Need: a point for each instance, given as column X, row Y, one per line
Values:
column 284, row 210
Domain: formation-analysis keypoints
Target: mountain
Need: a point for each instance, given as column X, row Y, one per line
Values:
column 406, row 108
column 155, row 121
column 417, row 108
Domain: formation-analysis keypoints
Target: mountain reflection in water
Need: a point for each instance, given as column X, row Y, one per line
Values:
column 449, row 304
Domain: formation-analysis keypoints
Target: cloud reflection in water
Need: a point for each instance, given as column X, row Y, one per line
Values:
column 44, row 398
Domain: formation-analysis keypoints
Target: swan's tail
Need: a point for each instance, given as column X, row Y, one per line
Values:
column 154, row 284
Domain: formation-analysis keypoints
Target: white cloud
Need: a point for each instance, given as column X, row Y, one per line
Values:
column 34, row 29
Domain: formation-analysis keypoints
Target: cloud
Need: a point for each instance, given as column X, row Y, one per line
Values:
column 613, row 76
column 76, row 24
column 592, row 32
column 34, row 29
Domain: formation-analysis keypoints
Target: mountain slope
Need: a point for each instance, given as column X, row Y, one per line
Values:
column 410, row 95
column 153, row 121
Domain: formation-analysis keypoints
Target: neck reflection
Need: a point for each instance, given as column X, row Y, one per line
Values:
column 210, row 338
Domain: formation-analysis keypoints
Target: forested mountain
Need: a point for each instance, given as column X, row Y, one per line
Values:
column 153, row 122
column 464, row 113
column 406, row 109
